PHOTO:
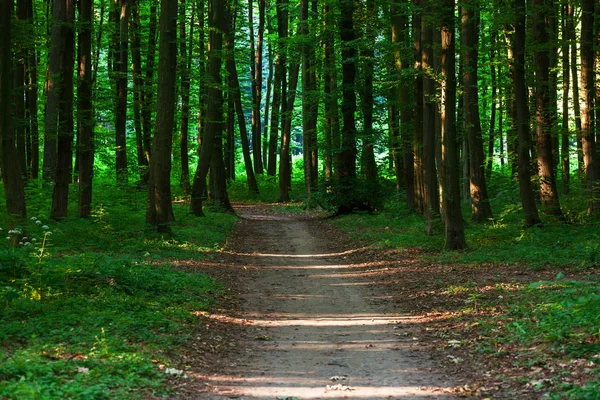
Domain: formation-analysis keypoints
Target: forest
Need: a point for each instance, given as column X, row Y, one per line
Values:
column 131, row 131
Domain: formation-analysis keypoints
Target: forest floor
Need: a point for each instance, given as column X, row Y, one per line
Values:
column 310, row 314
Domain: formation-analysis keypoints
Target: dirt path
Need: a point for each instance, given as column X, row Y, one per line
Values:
column 315, row 324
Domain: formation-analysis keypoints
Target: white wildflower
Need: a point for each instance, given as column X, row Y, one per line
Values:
column 26, row 244
column 45, row 227
column 146, row 254
column 33, row 239
column 20, row 243
column 48, row 233
column 33, row 218
column 83, row 370
column 38, row 222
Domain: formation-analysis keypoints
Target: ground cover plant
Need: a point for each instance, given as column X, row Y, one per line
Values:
column 92, row 308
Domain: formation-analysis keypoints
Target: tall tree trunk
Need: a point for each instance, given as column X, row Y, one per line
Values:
column 202, row 72
column 53, row 89
column 543, row 110
column 237, row 100
column 12, row 179
column 60, row 196
column 455, row 236
column 331, row 122
column 512, row 141
column 480, row 202
column 346, row 172
column 493, row 106
column 185, row 60
column 285, row 158
column 310, row 105
column 367, row 55
column 214, row 108
column 121, row 67
column 265, row 127
column 148, row 94
column 430, row 186
column 522, row 118
column 257, row 81
column 587, row 105
column 19, row 91
column 565, row 136
column 278, row 87
column 85, row 113
column 418, row 121
column 576, row 97
column 138, row 88
column 229, row 151
column 32, row 97
column 159, row 211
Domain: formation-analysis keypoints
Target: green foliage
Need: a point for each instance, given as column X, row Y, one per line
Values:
column 92, row 311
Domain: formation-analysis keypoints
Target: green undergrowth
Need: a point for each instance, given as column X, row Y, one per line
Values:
column 89, row 309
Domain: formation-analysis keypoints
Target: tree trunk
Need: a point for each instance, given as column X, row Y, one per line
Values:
column 214, row 108
column 430, row 186
column 367, row 55
column 310, row 105
column 480, row 202
column 565, row 136
column 11, row 176
column 85, row 113
column 159, row 212
column 138, row 89
column 455, row 236
column 587, row 105
column 418, row 121
column 576, row 97
column 148, row 95
column 346, row 172
column 185, row 60
column 493, row 107
column 60, row 196
column 278, row 86
column 543, row 110
column 265, row 126
column 19, row 91
column 257, row 81
column 522, row 118
column 32, row 97
column 331, row 122
column 121, row 67
column 285, row 159
column 234, row 84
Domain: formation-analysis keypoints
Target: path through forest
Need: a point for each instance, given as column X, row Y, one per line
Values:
column 314, row 323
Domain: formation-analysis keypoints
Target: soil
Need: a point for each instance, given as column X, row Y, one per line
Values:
column 310, row 314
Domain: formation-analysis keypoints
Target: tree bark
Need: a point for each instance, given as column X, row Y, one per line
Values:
column 346, row 172
column 121, row 67
column 85, row 112
column 234, row 84
column 185, row 60
column 418, row 121
column 522, row 118
column 60, row 196
column 32, row 98
column 159, row 211
column 331, row 109
column 310, row 105
column 587, row 105
column 480, row 202
column 138, row 90
column 565, row 135
column 11, row 175
column 214, row 108
column 430, row 185
column 367, row 55
column 543, row 110
column 455, row 236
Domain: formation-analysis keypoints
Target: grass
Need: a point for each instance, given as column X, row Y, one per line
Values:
column 98, row 310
